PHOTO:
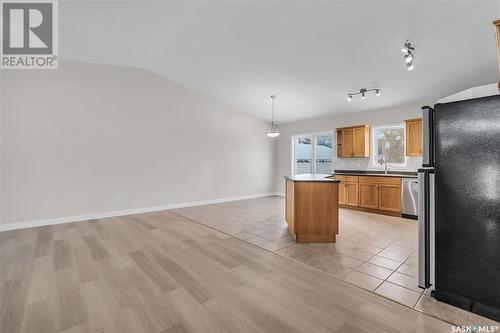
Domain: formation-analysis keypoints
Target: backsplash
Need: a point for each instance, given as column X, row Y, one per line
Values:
column 412, row 164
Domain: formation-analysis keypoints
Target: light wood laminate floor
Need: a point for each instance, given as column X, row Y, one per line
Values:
column 159, row 272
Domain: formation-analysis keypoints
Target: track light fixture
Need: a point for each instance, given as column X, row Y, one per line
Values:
column 363, row 92
column 409, row 55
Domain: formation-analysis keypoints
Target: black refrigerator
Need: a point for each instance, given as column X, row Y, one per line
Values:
column 459, row 204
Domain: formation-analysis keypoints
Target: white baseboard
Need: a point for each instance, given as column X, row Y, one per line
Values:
column 102, row 215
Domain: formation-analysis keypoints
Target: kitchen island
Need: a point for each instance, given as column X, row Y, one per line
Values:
column 312, row 207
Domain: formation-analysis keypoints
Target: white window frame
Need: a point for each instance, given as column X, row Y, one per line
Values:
column 374, row 146
column 313, row 137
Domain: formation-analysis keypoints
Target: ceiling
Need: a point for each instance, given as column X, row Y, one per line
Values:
column 307, row 53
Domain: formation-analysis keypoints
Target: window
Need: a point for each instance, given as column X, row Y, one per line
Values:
column 312, row 154
column 324, row 154
column 388, row 141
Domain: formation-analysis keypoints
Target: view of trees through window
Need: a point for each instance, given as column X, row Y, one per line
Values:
column 313, row 154
column 324, row 154
column 303, row 155
column 389, row 142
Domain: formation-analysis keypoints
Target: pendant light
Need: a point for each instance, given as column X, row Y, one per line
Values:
column 273, row 132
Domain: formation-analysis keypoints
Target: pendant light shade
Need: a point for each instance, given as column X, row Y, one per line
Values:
column 273, row 132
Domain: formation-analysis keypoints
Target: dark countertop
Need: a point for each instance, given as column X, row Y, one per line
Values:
column 402, row 174
column 313, row 178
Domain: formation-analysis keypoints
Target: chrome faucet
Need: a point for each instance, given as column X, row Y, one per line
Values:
column 383, row 161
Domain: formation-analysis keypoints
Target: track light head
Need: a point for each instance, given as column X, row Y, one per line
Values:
column 409, row 55
column 377, row 92
column 363, row 95
column 349, row 97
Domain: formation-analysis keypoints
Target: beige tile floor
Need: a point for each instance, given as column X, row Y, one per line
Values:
column 375, row 252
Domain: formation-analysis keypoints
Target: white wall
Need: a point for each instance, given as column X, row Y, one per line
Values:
column 92, row 138
column 372, row 117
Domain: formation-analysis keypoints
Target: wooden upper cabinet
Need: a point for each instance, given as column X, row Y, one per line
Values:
column 361, row 141
column 347, row 142
column 414, row 137
column 338, row 138
column 353, row 141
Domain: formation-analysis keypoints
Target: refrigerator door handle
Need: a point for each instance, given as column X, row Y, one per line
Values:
column 427, row 136
column 423, row 230
column 431, row 233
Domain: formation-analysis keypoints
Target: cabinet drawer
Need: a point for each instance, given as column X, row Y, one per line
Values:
column 353, row 179
column 380, row 180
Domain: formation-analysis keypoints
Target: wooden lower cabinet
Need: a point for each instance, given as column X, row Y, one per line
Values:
column 389, row 197
column 348, row 190
column 342, row 193
column 311, row 210
column 352, row 194
column 375, row 194
column 368, row 195
column 289, row 206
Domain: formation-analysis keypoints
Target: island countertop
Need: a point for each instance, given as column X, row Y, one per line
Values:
column 313, row 178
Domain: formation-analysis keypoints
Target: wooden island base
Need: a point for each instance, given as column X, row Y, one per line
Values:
column 312, row 209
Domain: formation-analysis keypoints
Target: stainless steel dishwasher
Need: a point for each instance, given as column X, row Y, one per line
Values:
column 409, row 197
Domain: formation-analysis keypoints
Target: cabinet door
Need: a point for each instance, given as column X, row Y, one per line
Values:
column 342, row 193
column 414, row 137
column 347, row 141
column 368, row 195
column 360, row 142
column 352, row 194
column 389, row 197
column 338, row 135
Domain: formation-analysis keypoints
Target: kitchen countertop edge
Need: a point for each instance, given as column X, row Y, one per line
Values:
column 318, row 178
column 403, row 174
